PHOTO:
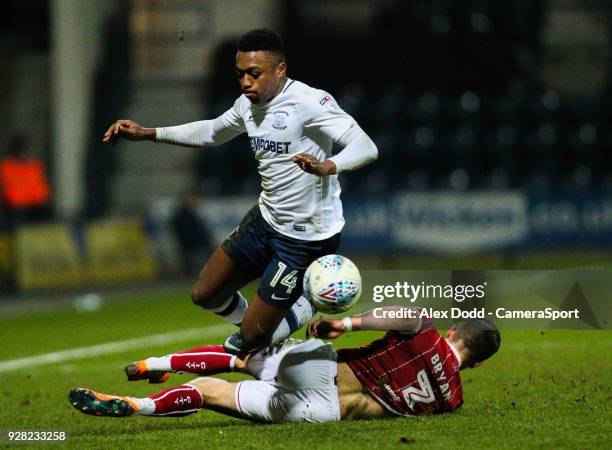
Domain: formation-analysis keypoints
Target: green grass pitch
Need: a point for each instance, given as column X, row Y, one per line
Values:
column 547, row 389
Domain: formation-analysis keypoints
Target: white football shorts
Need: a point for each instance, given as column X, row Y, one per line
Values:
column 296, row 382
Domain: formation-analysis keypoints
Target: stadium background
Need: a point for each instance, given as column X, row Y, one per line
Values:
column 491, row 119
column 493, row 125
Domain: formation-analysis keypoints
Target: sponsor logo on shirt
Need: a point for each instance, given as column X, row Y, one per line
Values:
column 279, row 120
column 270, row 145
column 391, row 392
column 325, row 99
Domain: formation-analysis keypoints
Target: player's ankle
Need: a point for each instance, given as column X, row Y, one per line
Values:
column 144, row 406
column 161, row 363
column 240, row 364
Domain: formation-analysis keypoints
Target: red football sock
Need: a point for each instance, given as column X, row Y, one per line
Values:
column 205, row 360
column 177, row 401
column 204, row 348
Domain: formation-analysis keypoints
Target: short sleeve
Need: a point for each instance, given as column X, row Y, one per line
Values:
column 321, row 112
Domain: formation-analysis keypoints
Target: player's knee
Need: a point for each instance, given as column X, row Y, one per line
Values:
column 215, row 392
column 205, row 297
column 200, row 295
column 205, row 385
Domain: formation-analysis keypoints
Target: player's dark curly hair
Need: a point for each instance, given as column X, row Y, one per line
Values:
column 262, row 39
column 480, row 336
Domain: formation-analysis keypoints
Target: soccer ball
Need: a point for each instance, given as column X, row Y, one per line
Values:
column 332, row 283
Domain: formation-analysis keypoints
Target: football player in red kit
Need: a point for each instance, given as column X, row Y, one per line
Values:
column 411, row 370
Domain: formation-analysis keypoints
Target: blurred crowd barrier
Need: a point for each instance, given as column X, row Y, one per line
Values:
column 61, row 255
column 451, row 222
column 102, row 253
column 440, row 222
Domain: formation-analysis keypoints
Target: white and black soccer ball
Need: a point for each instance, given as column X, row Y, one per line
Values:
column 332, row 283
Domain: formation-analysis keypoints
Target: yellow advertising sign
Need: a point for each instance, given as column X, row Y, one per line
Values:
column 46, row 256
column 6, row 263
column 118, row 251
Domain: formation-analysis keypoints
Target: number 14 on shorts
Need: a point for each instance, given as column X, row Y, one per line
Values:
column 289, row 280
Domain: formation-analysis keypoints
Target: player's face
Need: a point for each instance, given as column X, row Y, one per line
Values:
column 260, row 74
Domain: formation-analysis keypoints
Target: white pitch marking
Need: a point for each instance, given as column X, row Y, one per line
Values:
column 113, row 347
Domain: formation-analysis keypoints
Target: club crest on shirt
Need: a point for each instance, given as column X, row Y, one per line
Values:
column 279, row 120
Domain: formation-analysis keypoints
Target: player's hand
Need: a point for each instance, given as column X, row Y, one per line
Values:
column 128, row 129
column 325, row 328
column 310, row 164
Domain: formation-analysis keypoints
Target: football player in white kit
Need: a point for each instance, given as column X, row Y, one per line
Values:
column 292, row 128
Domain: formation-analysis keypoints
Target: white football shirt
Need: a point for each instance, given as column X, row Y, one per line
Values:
column 300, row 119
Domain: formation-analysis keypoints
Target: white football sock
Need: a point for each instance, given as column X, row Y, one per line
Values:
column 161, row 363
column 146, row 406
column 298, row 316
column 233, row 309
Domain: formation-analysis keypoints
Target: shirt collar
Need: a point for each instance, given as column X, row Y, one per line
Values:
column 276, row 99
column 456, row 352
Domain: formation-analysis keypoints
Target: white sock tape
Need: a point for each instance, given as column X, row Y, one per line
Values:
column 348, row 324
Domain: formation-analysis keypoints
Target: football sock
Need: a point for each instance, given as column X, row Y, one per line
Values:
column 146, row 406
column 204, row 360
column 175, row 401
column 233, row 309
column 299, row 314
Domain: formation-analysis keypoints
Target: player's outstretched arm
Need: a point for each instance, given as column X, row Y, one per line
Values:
column 202, row 133
column 128, row 129
column 382, row 319
column 195, row 134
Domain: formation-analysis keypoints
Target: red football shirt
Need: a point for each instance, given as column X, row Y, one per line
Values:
column 409, row 374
